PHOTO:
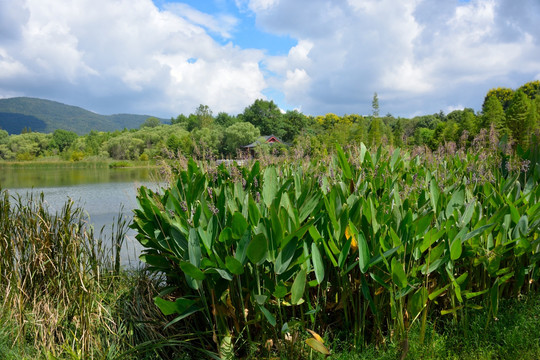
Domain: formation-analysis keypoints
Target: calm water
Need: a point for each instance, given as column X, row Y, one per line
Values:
column 102, row 193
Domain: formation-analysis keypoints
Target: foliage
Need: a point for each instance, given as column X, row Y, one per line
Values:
column 504, row 95
column 493, row 113
column 240, row 134
column 266, row 116
column 62, row 139
column 151, row 122
column 201, row 135
column 518, row 119
column 367, row 243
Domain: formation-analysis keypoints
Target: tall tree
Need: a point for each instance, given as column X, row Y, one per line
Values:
column 493, row 113
column 375, row 132
column 375, row 105
column 266, row 116
column 503, row 94
column 204, row 116
column 518, row 118
column 294, row 122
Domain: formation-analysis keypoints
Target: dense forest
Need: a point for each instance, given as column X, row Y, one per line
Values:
column 513, row 114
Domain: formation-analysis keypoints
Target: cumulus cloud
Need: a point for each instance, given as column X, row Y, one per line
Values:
column 420, row 56
column 127, row 54
column 417, row 54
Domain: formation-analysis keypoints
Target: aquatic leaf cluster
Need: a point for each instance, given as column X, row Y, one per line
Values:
column 365, row 244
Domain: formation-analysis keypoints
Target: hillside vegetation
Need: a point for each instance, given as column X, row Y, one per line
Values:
column 41, row 115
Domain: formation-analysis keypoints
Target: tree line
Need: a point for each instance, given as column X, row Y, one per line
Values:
column 514, row 114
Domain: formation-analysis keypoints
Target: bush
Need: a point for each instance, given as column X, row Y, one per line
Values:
column 363, row 243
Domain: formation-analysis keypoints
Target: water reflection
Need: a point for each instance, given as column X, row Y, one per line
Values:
column 14, row 178
column 102, row 193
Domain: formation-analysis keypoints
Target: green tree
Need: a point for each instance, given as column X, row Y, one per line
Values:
column 503, row 94
column 375, row 105
column 266, row 116
column 180, row 119
column 375, row 132
column 225, row 120
column 531, row 89
column 240, row 134
column 62, row 139
column 4, row 135
column 151, row 122
column 204, row 116
column 398, row 133
column 518, row 118
column 294, row 123
column 493, row 113
column 208, row 140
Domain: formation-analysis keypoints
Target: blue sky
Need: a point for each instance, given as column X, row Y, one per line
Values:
column 165, row 57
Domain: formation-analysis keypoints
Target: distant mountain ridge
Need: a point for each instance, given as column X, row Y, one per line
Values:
column 42, row 115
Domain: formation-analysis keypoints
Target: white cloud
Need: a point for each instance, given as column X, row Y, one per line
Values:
column 222, row 24
column 128, row 55
column 417, row 54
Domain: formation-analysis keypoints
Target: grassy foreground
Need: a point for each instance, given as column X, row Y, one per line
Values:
column 427, row 292
column 514, row 335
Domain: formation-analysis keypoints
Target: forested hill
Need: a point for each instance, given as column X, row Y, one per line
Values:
column 46, row 116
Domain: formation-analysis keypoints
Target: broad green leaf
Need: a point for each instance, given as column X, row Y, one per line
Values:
column 394, row 159
column 253, row 211
column 318, row 264
column 308, row 206
column 431, row 237
column 270, row 185
column 398, row 274
column 344, row 252
column 191, row 270
column 257, row 249
column 455, row 249
column 179, row 306
column 285, row 257
column 343, row 163
column 417, row 302
column 271, row 318
column 234, row 266
column 280, row 291
column 476, row 232
column 157, row 261
column 298, row 287
column 456, row 201
column 434, row 194
column 363, row 249
column 467, row 214
column 226, row 235
column 238, row 225
column 423, row 223
column 194, row 248
column 260, row 299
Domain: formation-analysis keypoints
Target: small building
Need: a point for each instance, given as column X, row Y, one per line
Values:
column 270, row 139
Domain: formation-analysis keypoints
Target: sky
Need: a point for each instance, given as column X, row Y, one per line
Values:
column 165, row 57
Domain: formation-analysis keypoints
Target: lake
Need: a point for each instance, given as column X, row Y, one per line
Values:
column 102, row 193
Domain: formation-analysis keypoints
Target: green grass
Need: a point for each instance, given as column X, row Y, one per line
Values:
column 513, row 335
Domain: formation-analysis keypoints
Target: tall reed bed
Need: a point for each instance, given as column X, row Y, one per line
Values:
column 63, row 293
column 359, row 245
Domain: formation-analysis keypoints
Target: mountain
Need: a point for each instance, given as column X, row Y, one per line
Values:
column 46, row 116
